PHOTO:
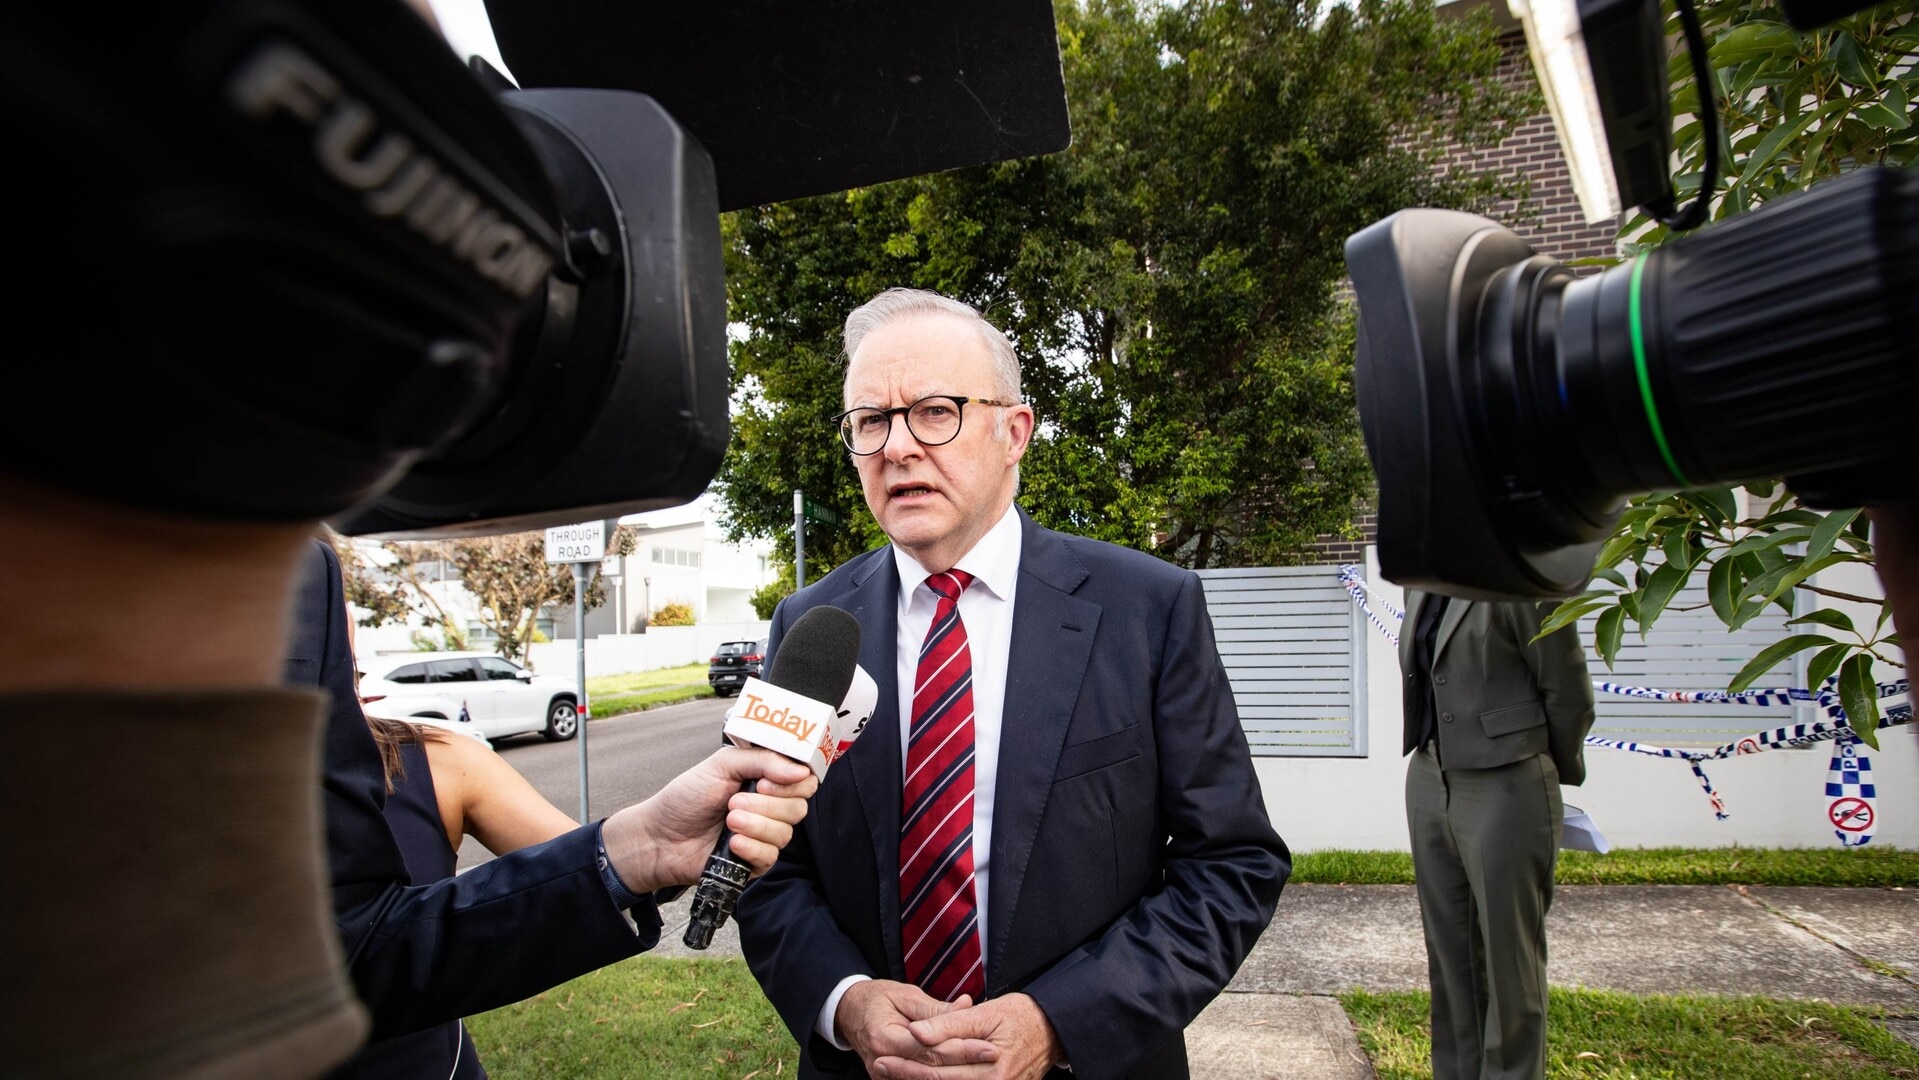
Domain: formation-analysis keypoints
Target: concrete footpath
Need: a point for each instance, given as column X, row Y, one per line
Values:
column 1278, row 1017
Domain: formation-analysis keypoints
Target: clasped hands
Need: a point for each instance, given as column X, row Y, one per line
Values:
column 901, row 1033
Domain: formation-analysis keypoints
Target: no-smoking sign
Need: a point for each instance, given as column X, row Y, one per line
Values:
column 1850, row 814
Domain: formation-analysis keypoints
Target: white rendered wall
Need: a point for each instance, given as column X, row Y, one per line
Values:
column 1774, row 799
column 660, row 646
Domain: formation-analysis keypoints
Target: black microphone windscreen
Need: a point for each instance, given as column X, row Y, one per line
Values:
column 818, row 655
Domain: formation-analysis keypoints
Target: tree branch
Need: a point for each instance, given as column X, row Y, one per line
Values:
column 1837, row 595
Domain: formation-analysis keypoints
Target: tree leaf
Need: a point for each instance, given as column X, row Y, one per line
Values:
column 1860, row 697
column 1851, row 63
column 1570, row 611
column 1679, row 550
column 1746, row 613
column 1659, row 590
column 1607, row 634
column 1761, row 541
column 1614, row 576
column 1616, row 549
column 1878, row 116
column 1772, row 654
column 1826, row 533
column 1824, row 663
column 1743, row 42
column 1718, row 502
column 1722, row 584
column 1832, row 617
column 1804, row 569
column 1892, row 94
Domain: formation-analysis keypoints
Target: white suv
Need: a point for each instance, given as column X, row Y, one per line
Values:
column 496, row 696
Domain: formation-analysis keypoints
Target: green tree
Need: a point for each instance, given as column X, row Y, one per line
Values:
column 768, row 596
column 1170, row 281
column 1796, row 108
column 508, row 578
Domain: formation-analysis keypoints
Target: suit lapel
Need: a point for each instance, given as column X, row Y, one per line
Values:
column 1409, row 628
column 1051, row 647
column 1455, row 613
column 874, row 601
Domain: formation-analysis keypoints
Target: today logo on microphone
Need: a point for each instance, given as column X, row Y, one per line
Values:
column 752, row 708
column 785, row 723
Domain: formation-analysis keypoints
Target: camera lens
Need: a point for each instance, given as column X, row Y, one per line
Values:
column 1774, row 343
column 1510, row 406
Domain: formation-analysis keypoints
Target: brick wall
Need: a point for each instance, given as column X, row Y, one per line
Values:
column 1549, row 219
column 1334, row 549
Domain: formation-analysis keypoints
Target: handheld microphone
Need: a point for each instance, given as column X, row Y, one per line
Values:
column 792, row 713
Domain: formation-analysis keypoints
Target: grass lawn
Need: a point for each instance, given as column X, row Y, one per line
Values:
column 666, row 1019
column 698, row 1019
column 1602, row 1034
column 655, row 1018
column 1869, row 867
column 611, row 695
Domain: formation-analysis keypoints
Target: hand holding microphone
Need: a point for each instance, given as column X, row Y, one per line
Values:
column 793, row 714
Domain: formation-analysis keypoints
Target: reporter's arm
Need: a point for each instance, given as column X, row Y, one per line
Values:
column 481, row 795
column 534, row 918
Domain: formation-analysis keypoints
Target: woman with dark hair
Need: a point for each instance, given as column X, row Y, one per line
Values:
column 441, row 788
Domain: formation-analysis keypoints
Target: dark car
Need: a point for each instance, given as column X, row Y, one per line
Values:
column 732, row 663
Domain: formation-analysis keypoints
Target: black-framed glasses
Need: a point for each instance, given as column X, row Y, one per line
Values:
column 933, row 420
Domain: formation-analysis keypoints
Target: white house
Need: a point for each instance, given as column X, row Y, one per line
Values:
column 682, row 556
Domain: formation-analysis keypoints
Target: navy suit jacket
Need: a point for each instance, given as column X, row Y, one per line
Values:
column 1133, row 865
column 424, row 955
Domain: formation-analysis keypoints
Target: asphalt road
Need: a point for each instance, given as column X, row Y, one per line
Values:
column 628, row 758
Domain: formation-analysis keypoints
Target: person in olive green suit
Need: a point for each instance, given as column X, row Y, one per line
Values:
column 1495, row 722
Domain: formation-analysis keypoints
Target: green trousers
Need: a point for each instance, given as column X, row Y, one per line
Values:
column 1484, row 845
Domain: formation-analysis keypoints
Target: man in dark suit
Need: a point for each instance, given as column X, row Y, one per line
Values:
column 1495, row 723
column 421, row 957
column 1049, row 848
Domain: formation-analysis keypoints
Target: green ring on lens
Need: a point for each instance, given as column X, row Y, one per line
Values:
column 1645, row 379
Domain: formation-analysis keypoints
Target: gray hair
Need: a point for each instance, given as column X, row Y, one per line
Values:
column 898, row 303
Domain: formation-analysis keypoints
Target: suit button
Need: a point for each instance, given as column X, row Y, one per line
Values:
column 1440, row 679
column 1446, row 718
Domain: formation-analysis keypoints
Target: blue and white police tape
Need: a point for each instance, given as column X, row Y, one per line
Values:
column 1851, row 810
column 1356, row 585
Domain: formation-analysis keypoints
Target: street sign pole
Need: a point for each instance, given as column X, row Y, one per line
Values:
column 584, row 546
column 799, row 539
column 581, row 571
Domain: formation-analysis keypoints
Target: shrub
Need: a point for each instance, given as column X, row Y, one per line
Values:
column 674, row 614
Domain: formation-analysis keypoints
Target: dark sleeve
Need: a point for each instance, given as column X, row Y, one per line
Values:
column 423, row 955
column 504, row 930
column 1126, row 994
column 788, row 934
column 1558, row 663
column 362, row 857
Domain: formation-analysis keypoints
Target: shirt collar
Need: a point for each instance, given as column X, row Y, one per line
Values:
column 993, row 562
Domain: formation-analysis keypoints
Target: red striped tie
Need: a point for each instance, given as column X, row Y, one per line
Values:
column 939, row 922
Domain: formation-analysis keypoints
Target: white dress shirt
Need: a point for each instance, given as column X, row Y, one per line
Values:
column 986, row 610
